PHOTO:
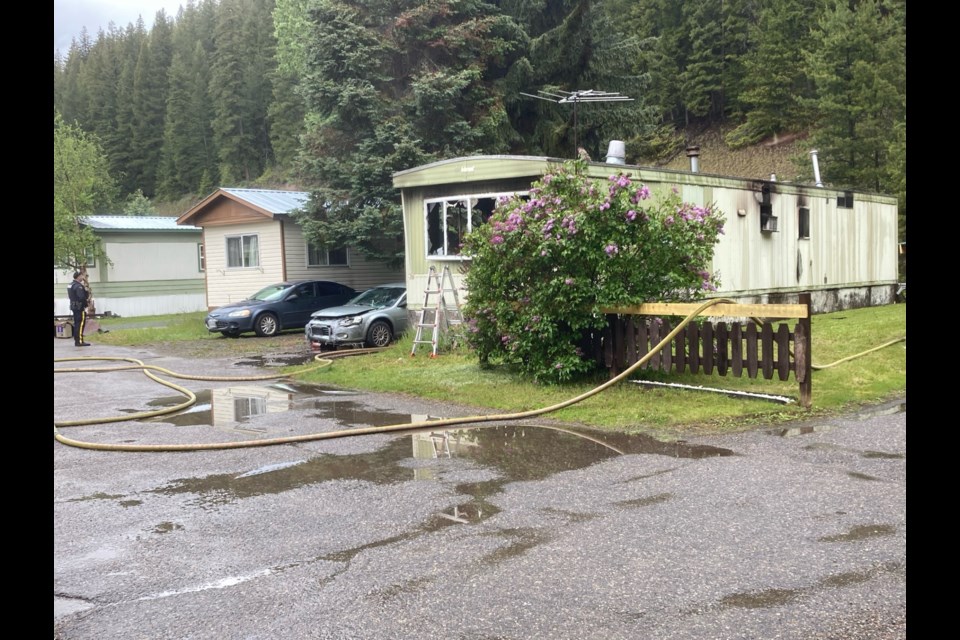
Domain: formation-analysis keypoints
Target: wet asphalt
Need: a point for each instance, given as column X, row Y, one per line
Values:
column 505, row 531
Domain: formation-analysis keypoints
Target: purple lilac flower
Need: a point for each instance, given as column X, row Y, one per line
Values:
column 631, row 215
column 669, row 221
column 612, row 249
column 496, row 240
column 568, row 282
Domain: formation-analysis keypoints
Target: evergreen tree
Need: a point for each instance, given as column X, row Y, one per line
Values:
column 150, row 87
column 120, row 144
column 138, row 204
column 578, row 45
column 661, row 26
column 240, row 87
column 188, row 150
column 101, row 79
column 73, row 102
column 858, row 64
column 775, row 80
column 391, row 84
column 287, row 111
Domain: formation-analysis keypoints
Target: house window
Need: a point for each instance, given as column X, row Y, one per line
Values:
column 803, row 222
column 247, row 407
column 450, row 219
column 89, row 259
column 332, row 257
column 846, row 200
column 243, row 251
column 201, row 259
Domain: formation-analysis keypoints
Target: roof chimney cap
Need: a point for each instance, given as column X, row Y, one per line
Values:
column 617, row 152
column 693, row 152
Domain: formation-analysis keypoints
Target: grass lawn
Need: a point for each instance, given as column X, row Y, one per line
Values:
column 849, row 371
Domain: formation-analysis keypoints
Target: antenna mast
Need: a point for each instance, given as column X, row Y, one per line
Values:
column 576, row 97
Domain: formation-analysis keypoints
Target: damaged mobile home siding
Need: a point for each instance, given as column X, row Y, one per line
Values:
column 849, row 259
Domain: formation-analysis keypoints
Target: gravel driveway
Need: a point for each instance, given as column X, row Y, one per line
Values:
column 507, row 531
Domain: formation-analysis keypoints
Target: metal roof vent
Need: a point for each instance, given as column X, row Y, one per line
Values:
column 693, row 153
column 617, row 152
column 816, row 168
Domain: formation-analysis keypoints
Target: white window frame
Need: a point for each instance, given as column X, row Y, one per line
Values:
column 448, row 203
column 243, row 254
column 310, row 250
column 201, row 258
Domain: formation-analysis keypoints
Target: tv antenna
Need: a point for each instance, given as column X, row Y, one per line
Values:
column 576, row 97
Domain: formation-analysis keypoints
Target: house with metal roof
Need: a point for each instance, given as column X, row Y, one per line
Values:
column 250, row 241
column 154, row 266
column 780, row 239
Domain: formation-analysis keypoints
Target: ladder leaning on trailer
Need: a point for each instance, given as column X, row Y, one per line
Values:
column 441, row 309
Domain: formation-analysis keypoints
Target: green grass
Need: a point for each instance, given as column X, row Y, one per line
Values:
column 455, row 376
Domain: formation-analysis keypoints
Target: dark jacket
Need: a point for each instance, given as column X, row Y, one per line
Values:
column 78, row 296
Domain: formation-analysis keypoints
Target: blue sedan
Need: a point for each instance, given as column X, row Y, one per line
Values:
column 285, row 305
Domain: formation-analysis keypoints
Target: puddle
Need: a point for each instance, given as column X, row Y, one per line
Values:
column 278, row 361
column 760, row 599
column 799, row 431
column 862, row 532
column 240, row 404
column 515, row 453
column 510, row 453
column 167, row 527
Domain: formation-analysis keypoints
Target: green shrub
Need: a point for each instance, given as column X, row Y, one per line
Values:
column 546, row 264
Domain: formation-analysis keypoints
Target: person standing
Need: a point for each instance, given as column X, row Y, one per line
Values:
column 79, row 299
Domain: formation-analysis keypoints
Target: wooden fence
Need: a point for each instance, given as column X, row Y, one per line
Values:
column 726, row 348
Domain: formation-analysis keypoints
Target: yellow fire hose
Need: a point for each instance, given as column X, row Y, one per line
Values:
column 327, row 435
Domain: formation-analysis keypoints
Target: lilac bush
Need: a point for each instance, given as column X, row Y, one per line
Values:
column 544, row 267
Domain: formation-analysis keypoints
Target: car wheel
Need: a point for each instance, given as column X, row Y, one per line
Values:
column 230, row 334
column 379, row 334
column 266, row 325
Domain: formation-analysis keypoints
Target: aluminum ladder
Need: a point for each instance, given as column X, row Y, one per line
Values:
column 441, row 309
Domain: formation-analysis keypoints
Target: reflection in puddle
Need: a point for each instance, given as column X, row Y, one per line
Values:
column 513, row 453
column 516, row 453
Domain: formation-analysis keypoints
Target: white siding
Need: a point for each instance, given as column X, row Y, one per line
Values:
column 360, row 273
column 226, row 285
column 164, row 263
column 152, row 261
column 141, row 305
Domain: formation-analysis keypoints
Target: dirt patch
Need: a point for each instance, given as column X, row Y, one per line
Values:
column 246, row 345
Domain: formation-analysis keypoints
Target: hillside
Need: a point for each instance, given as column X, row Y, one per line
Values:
column 773, row 156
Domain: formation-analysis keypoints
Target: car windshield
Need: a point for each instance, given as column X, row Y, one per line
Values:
column 272, row 293
column 378, row 297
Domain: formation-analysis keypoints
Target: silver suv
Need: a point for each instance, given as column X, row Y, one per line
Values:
column 374, row 318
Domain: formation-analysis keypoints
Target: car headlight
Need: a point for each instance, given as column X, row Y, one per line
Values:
column 352, row 321
column 239, row 313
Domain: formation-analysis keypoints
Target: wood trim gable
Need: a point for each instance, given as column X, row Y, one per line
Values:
column 223, row 208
